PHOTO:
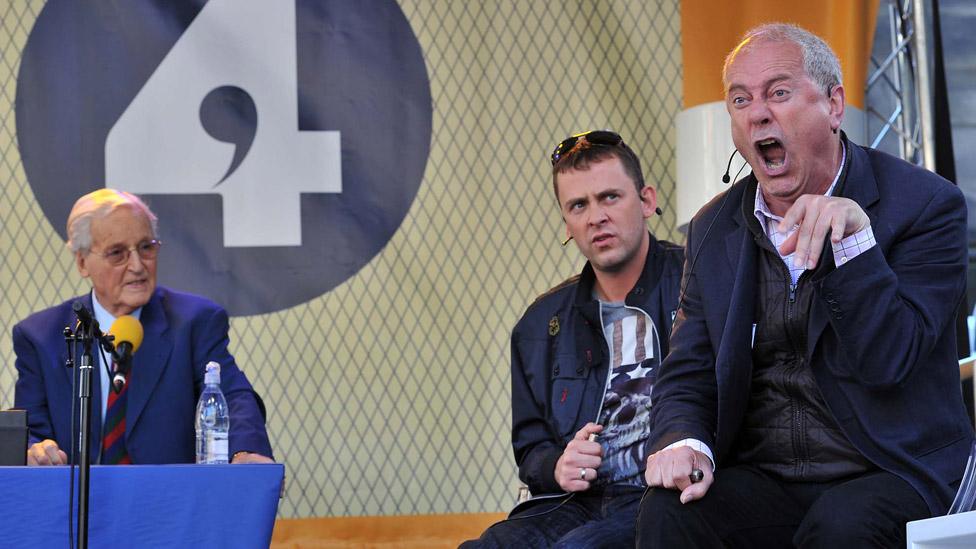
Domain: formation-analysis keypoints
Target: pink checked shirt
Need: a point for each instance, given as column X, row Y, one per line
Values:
column 844, row 251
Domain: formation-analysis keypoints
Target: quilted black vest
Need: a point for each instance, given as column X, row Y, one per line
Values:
column 788, row 431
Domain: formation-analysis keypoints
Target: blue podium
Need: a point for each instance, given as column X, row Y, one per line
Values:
column 144, row 505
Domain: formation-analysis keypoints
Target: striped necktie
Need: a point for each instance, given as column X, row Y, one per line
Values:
column 113, row 441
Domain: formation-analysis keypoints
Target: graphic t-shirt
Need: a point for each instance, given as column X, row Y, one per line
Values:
column 635, row 356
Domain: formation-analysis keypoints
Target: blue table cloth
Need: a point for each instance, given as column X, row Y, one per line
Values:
column 143, row 505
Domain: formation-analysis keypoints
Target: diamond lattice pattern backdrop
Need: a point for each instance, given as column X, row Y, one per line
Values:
column 390, row 395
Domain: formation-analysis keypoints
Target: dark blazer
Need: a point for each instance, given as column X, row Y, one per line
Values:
column 182, row 333
column 880, row 335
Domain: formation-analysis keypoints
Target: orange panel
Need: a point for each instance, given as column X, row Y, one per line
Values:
column 711, row 28
column 401, row 531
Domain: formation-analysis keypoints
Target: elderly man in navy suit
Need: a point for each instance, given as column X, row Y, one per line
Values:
column 812, row 376
column 113, row 237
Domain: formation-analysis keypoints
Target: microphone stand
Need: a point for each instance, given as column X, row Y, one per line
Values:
column 86, row 336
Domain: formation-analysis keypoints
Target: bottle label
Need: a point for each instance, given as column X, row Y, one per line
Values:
column 216, row 447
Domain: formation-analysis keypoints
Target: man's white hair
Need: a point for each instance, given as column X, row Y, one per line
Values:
column 96, row 205
column 819, row 61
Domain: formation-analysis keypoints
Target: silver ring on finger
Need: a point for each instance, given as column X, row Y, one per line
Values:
column 582, row 473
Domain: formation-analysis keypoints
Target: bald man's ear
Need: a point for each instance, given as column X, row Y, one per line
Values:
column 837, row 101
column 80, row 262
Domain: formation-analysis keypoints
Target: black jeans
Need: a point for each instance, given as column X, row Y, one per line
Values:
column 746, row 507
column 595, row 518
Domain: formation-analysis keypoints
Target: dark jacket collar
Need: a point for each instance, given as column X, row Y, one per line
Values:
column 649, row 278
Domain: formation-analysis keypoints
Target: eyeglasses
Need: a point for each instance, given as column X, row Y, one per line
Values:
column 119, row 255
column 594, row 137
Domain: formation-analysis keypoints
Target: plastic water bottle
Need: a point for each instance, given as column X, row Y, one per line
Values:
column 213, row 421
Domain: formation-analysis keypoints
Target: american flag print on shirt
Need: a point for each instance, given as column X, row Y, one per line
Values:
column 635, row 356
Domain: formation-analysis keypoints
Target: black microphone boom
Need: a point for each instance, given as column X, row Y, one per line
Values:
column 85, row 316
column 123, row 352
column 728, row 167
column 122, row 356
column 87, row 322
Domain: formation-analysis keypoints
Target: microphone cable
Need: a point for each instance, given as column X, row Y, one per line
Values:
column 694, row 261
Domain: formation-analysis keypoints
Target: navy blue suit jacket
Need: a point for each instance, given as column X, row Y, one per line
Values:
column 182, row 333
column 880, row 331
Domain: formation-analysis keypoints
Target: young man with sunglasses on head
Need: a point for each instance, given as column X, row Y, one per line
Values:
column 585, row 356
column 112, row 236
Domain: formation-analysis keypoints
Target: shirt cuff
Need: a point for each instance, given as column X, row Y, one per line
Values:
column 853, row 246
column 694, row 444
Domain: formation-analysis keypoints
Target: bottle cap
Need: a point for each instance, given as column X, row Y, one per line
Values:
column 213, row 373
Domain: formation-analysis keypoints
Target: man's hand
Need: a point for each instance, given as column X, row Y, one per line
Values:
column 576, row 468
column 250, row 457
column 816, row 215
column 672, row 469
column 46, row 452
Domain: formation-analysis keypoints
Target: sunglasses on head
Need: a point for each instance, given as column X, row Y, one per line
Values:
column 594, row 137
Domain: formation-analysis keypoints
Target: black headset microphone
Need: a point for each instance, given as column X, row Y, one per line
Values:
column 726, row 178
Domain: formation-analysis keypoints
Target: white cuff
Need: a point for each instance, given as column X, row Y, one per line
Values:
column 853, row 246
column 695, row 444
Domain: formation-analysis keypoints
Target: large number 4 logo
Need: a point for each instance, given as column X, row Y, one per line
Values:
column 220, row 116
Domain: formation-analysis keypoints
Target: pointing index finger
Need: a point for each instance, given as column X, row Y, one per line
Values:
column 792, row 217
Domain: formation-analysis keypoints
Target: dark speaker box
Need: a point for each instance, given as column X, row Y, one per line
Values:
column 13, row 437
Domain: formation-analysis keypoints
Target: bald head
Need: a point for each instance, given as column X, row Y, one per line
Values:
column 819, row 61
column 97, row 205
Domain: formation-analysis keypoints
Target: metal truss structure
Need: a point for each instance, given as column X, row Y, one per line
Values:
column 899, row 92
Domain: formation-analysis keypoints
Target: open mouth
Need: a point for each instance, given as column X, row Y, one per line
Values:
column 772, row 153
column 602, row 238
